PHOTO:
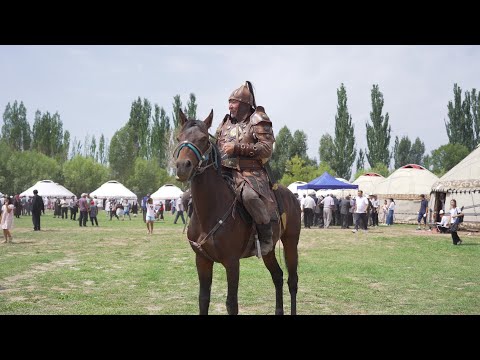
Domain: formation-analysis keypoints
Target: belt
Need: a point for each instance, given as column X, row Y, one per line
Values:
column 242, row 163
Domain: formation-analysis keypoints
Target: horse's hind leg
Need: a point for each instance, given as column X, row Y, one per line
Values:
column 233, row 273
column 290, row 244
column 204, row 270
column 277, row 276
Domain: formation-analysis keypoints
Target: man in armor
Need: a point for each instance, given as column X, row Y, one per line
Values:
column 245, row 140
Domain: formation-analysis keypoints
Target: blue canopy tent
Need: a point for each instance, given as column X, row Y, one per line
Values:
column 327, row 181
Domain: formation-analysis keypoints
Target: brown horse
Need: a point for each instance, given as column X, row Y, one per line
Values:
column 217, row 233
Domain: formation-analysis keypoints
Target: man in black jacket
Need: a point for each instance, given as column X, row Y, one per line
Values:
column 37, row 207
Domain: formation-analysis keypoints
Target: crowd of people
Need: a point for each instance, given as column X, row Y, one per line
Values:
column 358, row 212
column 362, row 212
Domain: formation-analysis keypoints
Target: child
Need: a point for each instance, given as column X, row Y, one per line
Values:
column 150, row 215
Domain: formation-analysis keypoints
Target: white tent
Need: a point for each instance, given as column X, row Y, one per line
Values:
column 113, row 189
column 48, row 188
column 368, row 183
column 167, row 192
column 461, row 183
column 293, row 188
column 405, row 185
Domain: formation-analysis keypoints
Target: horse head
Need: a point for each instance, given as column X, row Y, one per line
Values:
column 194, row 147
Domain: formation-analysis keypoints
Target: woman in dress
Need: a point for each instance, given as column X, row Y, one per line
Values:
column 7, row 219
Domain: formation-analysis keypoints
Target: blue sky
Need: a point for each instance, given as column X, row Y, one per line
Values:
column 92, row 87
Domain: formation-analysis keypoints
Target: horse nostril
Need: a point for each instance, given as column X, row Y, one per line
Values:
column 188, row 163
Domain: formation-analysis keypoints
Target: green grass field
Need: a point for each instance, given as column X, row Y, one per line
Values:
column 118, row 269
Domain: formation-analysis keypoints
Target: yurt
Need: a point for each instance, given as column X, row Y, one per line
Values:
column 405, row 185
column 167, row 192
column 461, row 183
column 113, row 189
column 293, row 188
column 368, row 183
column 48, row 188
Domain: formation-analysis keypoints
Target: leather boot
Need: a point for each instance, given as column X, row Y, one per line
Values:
column 265, row 237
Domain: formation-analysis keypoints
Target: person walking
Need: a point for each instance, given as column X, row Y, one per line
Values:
column 150, row 215
column 38, row 207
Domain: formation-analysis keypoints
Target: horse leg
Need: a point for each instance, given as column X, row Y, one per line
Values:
column 290, row 244
column 205, row 271
column 233, row 273
column 271, row 263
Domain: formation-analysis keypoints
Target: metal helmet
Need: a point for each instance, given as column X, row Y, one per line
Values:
column 243, row 94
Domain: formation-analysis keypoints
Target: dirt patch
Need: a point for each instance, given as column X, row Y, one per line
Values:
column 39, row 269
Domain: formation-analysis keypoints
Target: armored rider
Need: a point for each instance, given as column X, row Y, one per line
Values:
column 245, row 139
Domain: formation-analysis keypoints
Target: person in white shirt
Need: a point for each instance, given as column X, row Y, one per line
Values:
column 308, row 206
column 361, row 207
column 328, row 205
column 455, row 214
column 150, row 215
column 442, row 226
column 179, row 206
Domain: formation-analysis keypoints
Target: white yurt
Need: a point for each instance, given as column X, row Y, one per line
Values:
column 113, row 189
column 48, row 188
column 405, row 185
column 461, row 183
column 368, row 183
column 167, row 192
column 293, row 188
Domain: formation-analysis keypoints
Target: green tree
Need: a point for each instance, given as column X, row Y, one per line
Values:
column 191, row 107
column 102, row 154
column 65, row 146
column 147, row 176
column 158, row 138
column 177, row 105
column 281, row 152
column 139, row 125
column 427, row 162
column 476, row 114
column 401, row 151
column 297, row 170
column 379, row 169
column 460, row 127
column 446, row 157
column 84, row 174
column 40, row 167
column 76, row 148
column 378, row 134
column 326, row 148
column 93, row 148
column 360, row 160
column 5, row 154
column 417, row 152
column 48, row 134
column 299, row 144
column 344, row 151
column 16, row 129
column 122, row 154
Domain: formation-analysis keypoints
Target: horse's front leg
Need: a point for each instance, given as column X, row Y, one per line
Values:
column 204, row 270
column 233, row 272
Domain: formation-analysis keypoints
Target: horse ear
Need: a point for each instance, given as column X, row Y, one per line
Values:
column 209, row 119
column 183, row 118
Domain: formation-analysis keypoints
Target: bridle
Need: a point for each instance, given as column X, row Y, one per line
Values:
column 202, row 158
